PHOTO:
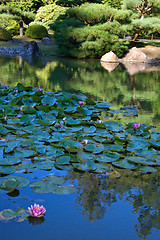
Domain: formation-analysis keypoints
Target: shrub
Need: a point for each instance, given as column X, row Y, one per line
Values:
column 13, row 27
column 46, row 15
column 36, row 31
column 5, row 35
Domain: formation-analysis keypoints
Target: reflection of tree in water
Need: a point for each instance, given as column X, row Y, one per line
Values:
column 96, row 193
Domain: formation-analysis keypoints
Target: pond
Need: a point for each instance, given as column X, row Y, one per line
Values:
column 87, row 204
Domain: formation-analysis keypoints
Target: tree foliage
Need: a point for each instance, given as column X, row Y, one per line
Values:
column 91, row 30
column 145, row 10
column 46, row 15
column 11, row 13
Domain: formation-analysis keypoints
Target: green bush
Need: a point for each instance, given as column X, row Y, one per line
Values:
column 5, row 35
column 13, row 27
column 36, row 31
column 46, row 15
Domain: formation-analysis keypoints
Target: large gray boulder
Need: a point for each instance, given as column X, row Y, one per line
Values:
column 110, row 57
column 135, row 55
column 31, row 48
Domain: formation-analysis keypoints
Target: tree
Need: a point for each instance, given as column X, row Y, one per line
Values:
column 7, row 12
column 142, row 8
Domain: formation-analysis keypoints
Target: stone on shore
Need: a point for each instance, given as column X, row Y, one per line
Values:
column 110, row 57
column 135, row 55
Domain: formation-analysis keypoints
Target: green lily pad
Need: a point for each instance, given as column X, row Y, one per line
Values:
column 63, row 160
column 9, row 161
column 67, row 189
column 9, row 185
column 46, row 165
column 107, row 157
column 50, row 101
column 7, row 214
column 85, row 156
column 146, row 169
column 86, row 166
column 124, row 164
column 7, row 169
column 23, row 181
column 141, row 160
column 43, row 186
column 93, row 148
column 57, row 180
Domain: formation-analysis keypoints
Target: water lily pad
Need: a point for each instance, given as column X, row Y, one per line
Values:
column 146, row 169
column 101, row 168
column 7, row 169
column 86, row 166
column 114, row 126
column 43, row 186
column 85, row 155
column 9, row 185
column 23, row 181
column 67, row 189
column 93, row 148
column 124, row 164
column 46, row 165
column 107, row 157
column 9, row 161
column 63, row 160
column 141, row 160
column 7, row 214
column 50, row 101
column 57, row 180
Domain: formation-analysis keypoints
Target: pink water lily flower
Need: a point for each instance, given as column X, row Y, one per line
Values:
column 136, row 125
column 40, row 89
column 81, row 103
column 37, row 210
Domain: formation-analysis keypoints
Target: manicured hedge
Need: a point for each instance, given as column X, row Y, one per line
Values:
column 36, row 31
column 5, row 35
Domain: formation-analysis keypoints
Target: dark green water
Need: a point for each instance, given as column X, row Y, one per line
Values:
column 126, row 208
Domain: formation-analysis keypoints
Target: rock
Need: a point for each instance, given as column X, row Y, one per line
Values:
column 110, row 57
column 135, row 55
column 31, row 48
column 47, row 41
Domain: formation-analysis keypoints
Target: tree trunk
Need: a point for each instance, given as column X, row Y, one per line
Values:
column 136, row 35
column 21, row 28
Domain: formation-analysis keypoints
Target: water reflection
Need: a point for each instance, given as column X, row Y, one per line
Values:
column 117, row 87
column 36, row 221
column 97, row 193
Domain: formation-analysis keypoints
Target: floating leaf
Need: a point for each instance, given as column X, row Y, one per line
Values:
column 9, row 161
column 67, row 189
column 9, row 185
column 23, row 181
column 86, row 166
column 141, row 160
column 8, row 214
column 43, row 186
column 63, row 160
column 7, row 169
column 49, row 100
column 107, row 157
column 46, row 165
column 124, row 164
